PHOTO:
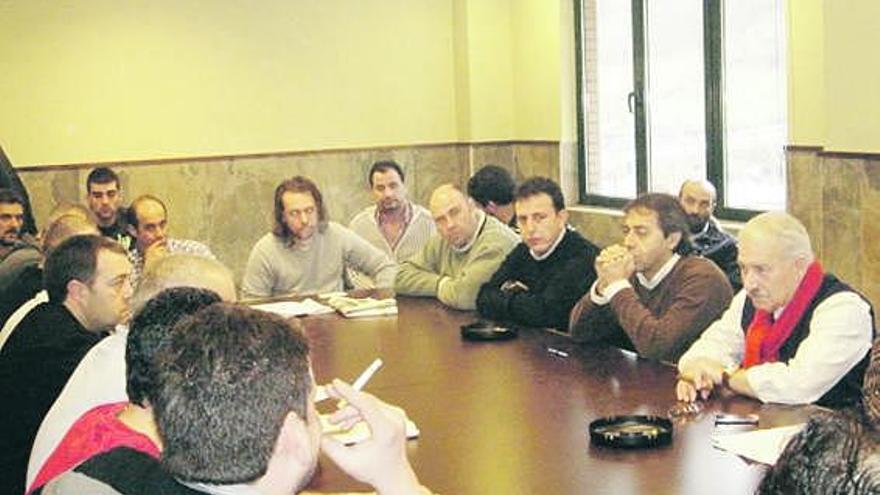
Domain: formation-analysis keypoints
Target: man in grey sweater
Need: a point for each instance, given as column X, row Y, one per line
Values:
column 305, row 253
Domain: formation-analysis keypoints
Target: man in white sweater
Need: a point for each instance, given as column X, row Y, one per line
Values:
column 305, row 253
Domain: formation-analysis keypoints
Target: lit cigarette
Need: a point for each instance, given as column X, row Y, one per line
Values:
column 367, row 374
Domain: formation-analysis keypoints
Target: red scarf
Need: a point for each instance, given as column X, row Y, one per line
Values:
column 765, row 337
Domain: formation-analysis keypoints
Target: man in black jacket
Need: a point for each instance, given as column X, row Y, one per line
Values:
column 697, row 198
column 546, row 274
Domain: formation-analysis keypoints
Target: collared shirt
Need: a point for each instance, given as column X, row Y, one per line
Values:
column 481, row 220
column 386, row 221
column 175, row 246
column 613, row 288
column 839, row 337
column 540, row 257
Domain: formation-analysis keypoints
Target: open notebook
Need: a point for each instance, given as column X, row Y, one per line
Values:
column 352, row 307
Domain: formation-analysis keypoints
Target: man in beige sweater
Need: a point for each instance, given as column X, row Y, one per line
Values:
column 464, row 253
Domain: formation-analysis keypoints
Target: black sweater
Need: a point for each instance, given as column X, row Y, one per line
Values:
column 555, row 284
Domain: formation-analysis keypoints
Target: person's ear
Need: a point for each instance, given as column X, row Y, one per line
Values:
column 77, row 290
column 295, row 440
column 563, row 214
column 672, row 240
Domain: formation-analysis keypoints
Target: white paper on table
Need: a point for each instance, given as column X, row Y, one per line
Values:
column 763, row 446
column 295, row 308
column 360, row 431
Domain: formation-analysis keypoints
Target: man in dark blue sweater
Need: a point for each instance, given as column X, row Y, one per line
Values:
column 548, row 272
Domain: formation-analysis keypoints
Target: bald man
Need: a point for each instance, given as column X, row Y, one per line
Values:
column 698, row 198
column 467, row 249
column 100, row 376
column 795, row 335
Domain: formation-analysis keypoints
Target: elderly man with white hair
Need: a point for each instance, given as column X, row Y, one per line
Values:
column 794, row 335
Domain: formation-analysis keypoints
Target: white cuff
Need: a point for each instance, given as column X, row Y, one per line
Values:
column 610, row 291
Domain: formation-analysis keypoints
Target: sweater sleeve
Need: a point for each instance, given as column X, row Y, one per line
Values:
column 700, row 297
column 592, row 323
column 419, row 275
column 366, row 258
column 259, row 278
column 492, row 302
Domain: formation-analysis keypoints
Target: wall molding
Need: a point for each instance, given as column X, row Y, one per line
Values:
column 281, row 154
column 821, row 151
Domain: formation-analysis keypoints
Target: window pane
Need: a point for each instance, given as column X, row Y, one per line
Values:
column 608, row 67
column 755, row 112
column 676, row 102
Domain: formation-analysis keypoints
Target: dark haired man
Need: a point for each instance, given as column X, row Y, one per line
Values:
column 235, row 409
column 88, row 282
column 394, row 224
column 492, row 187
column 147, row 224
column 99, row 377
column 17, row 251
column 125, row 424
column 104, row 196
column 306, row 253
column 697, row 197
column 548, row 272
column 651, row 296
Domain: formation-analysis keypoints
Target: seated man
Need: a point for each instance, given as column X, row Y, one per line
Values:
column 235, row 407
column 88, row 281
column 394, row 224
column 29, row 290
column 651, row 295
column 795, row 335
column 492, row 187
column 127, row 423
column 18, row 251
column 147, row 224
column 548, row 272
column 104, row 196
column 306, row 253
column 836, row 452
column 697, row 197
column 99, row 378
column 468, row 248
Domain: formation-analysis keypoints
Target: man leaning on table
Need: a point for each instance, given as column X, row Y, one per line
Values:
column 795, row 335
column 307, row 253
column 651, row 294
column 464, row 253
column 545, row 274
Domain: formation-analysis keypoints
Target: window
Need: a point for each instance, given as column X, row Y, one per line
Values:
column 670, row 90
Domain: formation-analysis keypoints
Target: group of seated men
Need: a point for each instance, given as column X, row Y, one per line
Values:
column 794, row 334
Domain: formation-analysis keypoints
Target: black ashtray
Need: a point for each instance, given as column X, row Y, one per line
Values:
column 484, row 331
column 631, row 432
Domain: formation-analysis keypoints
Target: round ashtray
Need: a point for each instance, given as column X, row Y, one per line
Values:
column 486, row 331
column 631, row 432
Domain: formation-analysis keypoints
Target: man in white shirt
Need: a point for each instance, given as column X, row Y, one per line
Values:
column 795, row 335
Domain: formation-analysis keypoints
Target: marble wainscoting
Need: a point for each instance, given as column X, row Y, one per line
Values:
column 226, row 202
column 837, row 197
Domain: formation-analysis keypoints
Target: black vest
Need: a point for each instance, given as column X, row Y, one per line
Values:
column 848, row 390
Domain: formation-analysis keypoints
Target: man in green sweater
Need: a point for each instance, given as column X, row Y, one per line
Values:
column 650, row 295
column 464, row 253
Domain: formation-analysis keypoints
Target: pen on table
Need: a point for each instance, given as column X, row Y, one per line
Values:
column 557, row 352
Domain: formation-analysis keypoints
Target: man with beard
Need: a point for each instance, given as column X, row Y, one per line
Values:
column 697, row 197
column 17, row 251
column 394, row 224
column 651, row 295
column 104, row 196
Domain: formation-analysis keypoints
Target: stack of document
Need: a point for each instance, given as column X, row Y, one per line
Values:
column 762, row 446
column 352, row 307
column 288, row 309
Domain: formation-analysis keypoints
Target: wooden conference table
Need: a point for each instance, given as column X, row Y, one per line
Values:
column 510, row 417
